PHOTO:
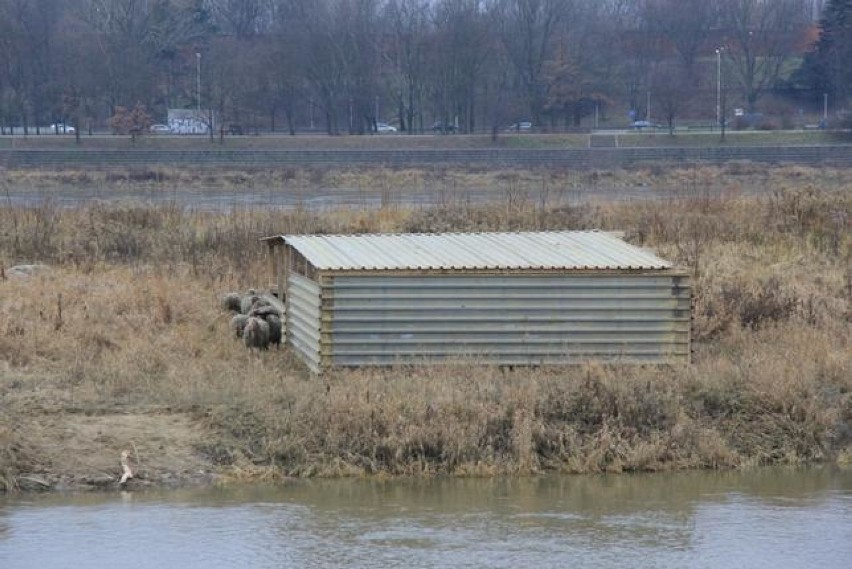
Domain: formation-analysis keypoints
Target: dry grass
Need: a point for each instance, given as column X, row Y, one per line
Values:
column 127, row 321
column 551, row 184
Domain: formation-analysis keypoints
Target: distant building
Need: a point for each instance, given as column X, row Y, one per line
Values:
column 191, row 121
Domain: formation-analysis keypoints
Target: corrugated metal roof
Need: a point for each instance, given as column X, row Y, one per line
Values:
column 539, row 250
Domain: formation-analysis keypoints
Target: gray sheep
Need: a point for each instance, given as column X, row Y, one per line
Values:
column 256, row 333
column 264, row 309
column 238, row 324
column 248, row 301
column 231, row 301
column 274, row 329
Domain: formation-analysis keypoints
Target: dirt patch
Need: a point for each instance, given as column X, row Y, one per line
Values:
column 79, row 451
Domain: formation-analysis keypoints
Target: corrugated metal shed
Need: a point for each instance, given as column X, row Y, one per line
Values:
column 458, row 251
column 504, row 298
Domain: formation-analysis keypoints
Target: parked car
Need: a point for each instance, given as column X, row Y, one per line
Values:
column 441, row 126
column 522, row 126
column 384, row 127
column 235, row 129
column 62, row 128
column 639, row 125
column 160, row 129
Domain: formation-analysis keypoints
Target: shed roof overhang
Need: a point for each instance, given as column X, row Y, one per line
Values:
column 472, row 252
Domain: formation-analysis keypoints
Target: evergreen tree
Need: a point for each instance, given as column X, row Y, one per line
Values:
column 829, row 67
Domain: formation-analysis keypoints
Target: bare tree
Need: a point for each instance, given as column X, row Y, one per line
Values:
column 459, row 48
column 319, row 36
column 405, row 54
column 30, row 54
column 672, row 90
column 585, row 67
column 527, row 29
column 242, row 18
column 683, row 26
column 11, row 72
column 761, row 35
column 358, row 30
column 281, row 70
column 640, row 47
column 461, row 62
column 122, row 29
column 176, row 31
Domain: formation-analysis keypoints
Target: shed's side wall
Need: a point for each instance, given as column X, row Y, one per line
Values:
column 303, row 319
column 506, row 319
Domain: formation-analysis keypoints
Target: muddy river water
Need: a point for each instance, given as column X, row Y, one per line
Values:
column 772, row 518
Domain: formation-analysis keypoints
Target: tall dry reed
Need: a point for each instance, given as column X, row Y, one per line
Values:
column 127, row 319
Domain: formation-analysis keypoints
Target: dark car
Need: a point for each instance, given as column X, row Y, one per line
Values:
column 522, row 126
column 441, row 126
column 639, row 125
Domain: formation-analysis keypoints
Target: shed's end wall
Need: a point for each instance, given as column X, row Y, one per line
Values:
column 303, row 319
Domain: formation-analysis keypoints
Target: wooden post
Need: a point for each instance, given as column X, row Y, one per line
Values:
column 273, row 258
column 279, row 276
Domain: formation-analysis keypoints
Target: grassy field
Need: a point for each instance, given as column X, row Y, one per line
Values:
column 119, row 343
column 426, row 141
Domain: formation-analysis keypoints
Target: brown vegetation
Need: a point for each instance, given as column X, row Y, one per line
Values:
column 126, row 327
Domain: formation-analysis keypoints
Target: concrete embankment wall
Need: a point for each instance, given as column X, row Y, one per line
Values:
column 840, row 155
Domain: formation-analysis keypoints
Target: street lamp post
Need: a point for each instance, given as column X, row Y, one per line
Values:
column 198, row 82
column 719, row 86
column 648, row 110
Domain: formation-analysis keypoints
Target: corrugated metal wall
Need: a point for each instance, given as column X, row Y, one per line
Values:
column 303, row 319
column 502, row 318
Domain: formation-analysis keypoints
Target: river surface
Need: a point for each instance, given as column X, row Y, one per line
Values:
column 763, row 518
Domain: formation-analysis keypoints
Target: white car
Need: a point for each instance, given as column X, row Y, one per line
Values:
column 62, row 128
column 160, row 129
column 384, row 127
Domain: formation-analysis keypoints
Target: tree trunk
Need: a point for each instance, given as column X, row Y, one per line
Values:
column 328, row 121
column 289, row 114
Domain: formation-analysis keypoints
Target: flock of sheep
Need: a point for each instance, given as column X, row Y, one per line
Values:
column 257, row 320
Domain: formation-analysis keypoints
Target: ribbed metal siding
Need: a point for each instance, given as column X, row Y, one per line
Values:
column 506, row 319
column 303, row 319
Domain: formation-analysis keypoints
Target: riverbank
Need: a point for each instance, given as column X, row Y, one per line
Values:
column 348, row 187
column 119, row 344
